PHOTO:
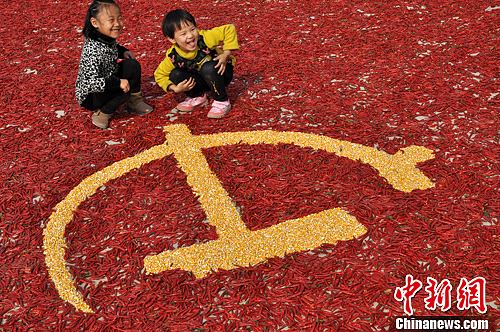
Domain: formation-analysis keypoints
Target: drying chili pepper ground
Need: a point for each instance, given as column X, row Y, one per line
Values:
column 382, row 75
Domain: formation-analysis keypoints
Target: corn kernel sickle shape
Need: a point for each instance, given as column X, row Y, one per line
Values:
column 236, row 245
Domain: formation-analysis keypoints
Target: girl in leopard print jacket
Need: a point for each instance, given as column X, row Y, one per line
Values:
column 108, row 74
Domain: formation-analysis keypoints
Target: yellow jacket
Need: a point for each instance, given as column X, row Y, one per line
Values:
column 225, row 34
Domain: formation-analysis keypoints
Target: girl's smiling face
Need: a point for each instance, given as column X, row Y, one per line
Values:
column 186, row 37
column 108, row 21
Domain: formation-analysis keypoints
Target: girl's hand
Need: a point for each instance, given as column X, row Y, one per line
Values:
column 128, row 55
column 222, row 61
column 124, row 85
column 183, row 86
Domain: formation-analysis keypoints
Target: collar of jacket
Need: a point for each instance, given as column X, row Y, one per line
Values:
column 96, row 35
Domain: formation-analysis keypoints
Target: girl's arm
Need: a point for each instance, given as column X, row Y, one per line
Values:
column 225, row 34
column 162, row 74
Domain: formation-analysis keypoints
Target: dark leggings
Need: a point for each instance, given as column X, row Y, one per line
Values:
column 109, row 100
column 207, row 79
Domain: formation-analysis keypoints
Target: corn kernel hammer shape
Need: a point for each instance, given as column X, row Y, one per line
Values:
column 236, row 245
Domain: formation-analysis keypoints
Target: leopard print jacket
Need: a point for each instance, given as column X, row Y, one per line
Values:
column 98, row 65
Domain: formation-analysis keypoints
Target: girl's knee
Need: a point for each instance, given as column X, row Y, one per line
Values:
column 129, row 62
column 130, row 69
column 178, row 75
column 208, row 69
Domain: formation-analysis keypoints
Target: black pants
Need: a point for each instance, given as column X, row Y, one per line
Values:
column 109, row 100
column 207, row 79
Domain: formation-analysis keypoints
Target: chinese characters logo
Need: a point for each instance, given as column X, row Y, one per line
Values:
column 470, row 294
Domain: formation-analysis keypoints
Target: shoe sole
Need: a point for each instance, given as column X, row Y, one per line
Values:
column 139, row 113
column 218, row 116
column 189, row 111
column 98, row 125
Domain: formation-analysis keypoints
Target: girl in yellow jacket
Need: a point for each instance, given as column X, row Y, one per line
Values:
column 196, row 64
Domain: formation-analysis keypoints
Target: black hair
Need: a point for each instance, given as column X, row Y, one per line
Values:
column 94, row 9
column 173, row 21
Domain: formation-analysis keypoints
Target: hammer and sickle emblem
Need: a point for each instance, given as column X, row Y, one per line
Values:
column 236, row 245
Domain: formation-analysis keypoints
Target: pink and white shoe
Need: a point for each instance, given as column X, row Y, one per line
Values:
column 189, row 104
column 219, row 109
